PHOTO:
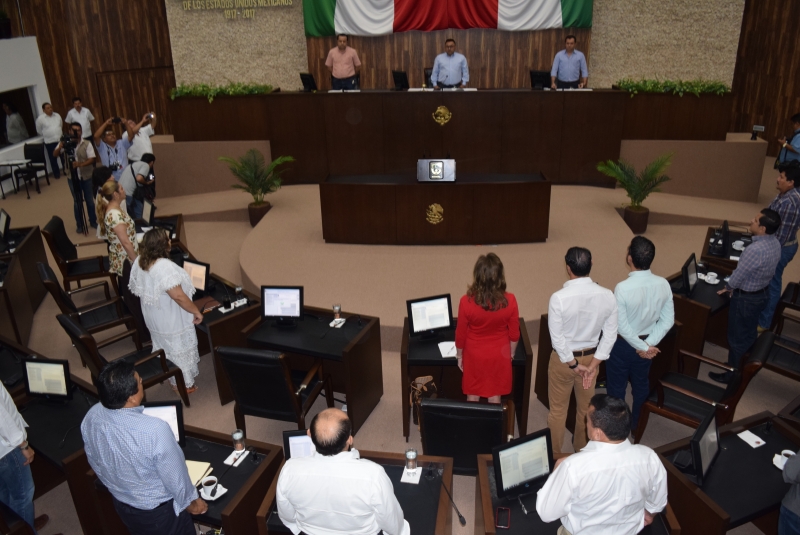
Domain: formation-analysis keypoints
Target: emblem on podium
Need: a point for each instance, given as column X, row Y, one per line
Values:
column 435, row 214
column 442, row 115
column 435, row 170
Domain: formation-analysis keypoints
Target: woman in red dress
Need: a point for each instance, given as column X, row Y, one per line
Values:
column 487, row 332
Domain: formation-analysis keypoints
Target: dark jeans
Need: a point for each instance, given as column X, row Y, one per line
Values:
column 567, row 85
column 49, row 148
column 789, row 523
column 743, row 322
column 623, row 364
column 776, row 286
column 135, row 207
column 158, row 521
column 344, row 83
column 16, row 485
column 85, row 193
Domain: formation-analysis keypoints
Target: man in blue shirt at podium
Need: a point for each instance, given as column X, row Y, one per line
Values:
column 450, row 68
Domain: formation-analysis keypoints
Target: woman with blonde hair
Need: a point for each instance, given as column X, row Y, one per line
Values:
column 487, row 332
column 165, row 292
column 117, row 227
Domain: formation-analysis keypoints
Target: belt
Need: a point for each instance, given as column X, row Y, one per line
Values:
column 749, row 293
column 447, row 86
column 790, row 243
column 584, row 353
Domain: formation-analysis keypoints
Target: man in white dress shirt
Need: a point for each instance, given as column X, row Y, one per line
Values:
column 577, row 315
column 81, row 114
column 450, row 68
column 612, row 487
column 50, row 126
column 334, row 492
column 141, row 143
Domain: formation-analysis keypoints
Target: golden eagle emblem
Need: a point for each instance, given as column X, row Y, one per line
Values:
column 442, row 115
column 435, row 214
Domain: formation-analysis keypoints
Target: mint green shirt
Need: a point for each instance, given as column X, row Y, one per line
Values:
column 644, row 307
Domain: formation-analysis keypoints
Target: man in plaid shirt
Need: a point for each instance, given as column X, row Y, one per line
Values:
column 787, row 204
column 748, row 288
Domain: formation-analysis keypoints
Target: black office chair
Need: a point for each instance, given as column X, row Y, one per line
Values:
column 463, row 430
column 35, row 152
column 264, row 385
column 426, row 73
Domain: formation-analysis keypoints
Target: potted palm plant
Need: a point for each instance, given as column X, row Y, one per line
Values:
column 257, row 178
column 637, row 186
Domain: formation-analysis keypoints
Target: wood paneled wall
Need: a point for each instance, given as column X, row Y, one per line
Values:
column 497, row 59
column 115, row 55
column 766, row 83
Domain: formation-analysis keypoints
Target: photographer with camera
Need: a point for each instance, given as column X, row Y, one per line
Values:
column 80, row 154
column 139, row 183
column 140, row 143
column 113, row 153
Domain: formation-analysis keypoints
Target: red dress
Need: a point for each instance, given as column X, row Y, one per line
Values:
column 485, row 338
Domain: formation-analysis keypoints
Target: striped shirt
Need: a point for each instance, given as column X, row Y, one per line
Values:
column 788, row 207
column 137, row 458
column 757, row 264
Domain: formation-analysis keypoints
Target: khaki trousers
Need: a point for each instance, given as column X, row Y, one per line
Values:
column 561, row 382
column 563, row 531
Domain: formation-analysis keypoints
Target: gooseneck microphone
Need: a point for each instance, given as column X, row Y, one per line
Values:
column 461, row 518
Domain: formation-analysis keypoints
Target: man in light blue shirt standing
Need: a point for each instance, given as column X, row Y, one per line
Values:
column 645, row 315
column 450, row 68
column 790, row 146
column 569, row 67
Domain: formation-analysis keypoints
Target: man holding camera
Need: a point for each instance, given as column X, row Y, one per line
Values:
column 82, row 155
column 141, row 143
column 134, row 178
column 113, row 153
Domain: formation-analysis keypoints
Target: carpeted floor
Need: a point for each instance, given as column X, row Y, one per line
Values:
column 287, row 248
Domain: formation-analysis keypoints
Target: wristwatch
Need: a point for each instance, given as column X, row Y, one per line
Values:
column 575, row 366
column 24, row 446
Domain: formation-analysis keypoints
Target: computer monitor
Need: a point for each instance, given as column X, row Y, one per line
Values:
column 522, row 463
column 282, row 303
column 689, row 274
column 172, row 413
column 722, row 240
column 5, row 223
column 47, row 378
column 400, row 80
column 148, row 213
column 704, row 446
column 540, row 79
column 198, row 273
column 309, row 84
column 429, row 315
column 297, row 444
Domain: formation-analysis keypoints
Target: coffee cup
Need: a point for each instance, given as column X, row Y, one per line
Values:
column 787, row 453
column 711, row 277
column 738, row 244
column 207, row 484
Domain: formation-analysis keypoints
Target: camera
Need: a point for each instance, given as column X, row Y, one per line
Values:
column 115, row 166
column 116, row 120
column 68, row 142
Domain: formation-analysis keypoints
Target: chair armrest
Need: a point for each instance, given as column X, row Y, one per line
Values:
column 707, row 360
column 793, row 350
column 96, row 306
column 160, row 353
column 692, row 395
column 791, row 318
column 310, row 375
column 101, row 267
column 89, row 243
column 116, row 338
column 91, row 286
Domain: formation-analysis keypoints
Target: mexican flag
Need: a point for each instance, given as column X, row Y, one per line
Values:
column 382, row 17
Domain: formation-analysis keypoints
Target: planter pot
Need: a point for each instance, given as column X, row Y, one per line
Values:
column 5, row 29
column 636, row 218
column 257, row 211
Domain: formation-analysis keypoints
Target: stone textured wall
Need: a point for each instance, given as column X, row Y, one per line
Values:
column 674, row 39
column 269, row 48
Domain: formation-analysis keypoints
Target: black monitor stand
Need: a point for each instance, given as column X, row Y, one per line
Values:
column 427, row 335
column 286, row 323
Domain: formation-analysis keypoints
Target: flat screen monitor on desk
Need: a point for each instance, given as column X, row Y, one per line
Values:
column 283, row 304
column 429, row 315
column 689, row 275
column 309, row 84
column 297, row 444
column 400, row 80
column 540, row 79
column 48, row 379
column 172, row 413
column 522, row 463
column 198, row 274
column 704, row 446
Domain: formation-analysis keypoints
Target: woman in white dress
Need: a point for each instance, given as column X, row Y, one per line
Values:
column 165, row 291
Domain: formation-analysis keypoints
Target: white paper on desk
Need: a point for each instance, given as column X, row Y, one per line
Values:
column 448, row 349
column 735, row 258
column 411, row 476
column 753, row 440
column 197, row 470
column 239, row 457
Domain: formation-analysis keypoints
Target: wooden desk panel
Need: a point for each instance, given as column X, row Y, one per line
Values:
column 366, row 210
column 354, row 127
column 299, row 131
column 16, row 314
column 409, row 131
column 517, row 212
column 531, row 133
column 473, row 136
column 411, row 206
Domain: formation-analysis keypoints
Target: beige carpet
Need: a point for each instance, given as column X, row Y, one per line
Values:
column 287, row 248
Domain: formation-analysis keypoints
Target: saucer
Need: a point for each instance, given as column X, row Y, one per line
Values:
column 712, row 283
column 740, row 248
column 220, row 493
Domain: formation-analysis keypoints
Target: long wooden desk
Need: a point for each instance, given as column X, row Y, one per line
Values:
column 742, row 486
column 351, row 354
column 424, row 515
column 419, row 357
column 24, row 291
column 477, row 208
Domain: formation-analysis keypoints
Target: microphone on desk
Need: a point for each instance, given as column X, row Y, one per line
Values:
column 226, row 303
column 461, row 519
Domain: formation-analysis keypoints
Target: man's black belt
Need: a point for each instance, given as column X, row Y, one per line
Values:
column 448, row 86
column 585, row 352
column 749, row 293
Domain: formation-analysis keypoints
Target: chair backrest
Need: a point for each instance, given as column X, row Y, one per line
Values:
column 133, row 303
column 749, row 366
column 427, row 73
column 462, row 430
column 60, row 245
column 261, row 382
column 84, row 343
column 62, row 298
column 34, row 152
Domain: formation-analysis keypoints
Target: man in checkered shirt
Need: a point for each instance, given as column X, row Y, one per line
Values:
column 749, row 288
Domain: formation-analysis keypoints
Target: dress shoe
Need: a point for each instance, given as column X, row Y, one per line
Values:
column 723, row 377
column 40, row 522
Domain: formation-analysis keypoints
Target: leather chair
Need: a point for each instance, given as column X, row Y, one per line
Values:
column 153, row 366
column 785, row 355
column 65, row 254
column 463, row 430
column 26, row 176
column 264, row 385
column 96, row 317
column 30, row 173
column 686, row 399
column 426, row 76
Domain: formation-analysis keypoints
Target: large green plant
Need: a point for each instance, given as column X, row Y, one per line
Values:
column 211, row 91
column 638, row 187
column 256, row 177
column 676, row 87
